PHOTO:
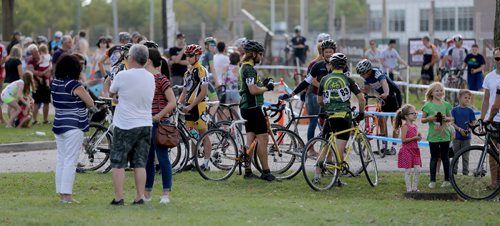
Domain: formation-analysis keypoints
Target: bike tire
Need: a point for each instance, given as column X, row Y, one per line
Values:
column 95, row 149
column 312, row 164
column 367, row 159
column 179, row 155
column 223, row 158
column 473, row 185
column 287, row 164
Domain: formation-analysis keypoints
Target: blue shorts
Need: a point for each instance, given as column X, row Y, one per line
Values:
column 475, row 81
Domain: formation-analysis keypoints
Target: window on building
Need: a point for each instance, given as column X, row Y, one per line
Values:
column 465, row 19
column 445, row 19
column 376, row 20
column 397, row 20
column 424, row 19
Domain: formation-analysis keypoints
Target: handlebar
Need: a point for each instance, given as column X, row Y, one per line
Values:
column 476, row 127
column 276, row 109
column 378, row 99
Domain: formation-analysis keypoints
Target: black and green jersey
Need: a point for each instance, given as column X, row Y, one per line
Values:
column 248, row 76
column 336, row 89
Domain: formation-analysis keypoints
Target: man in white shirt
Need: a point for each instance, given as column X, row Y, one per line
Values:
column 390, row 58
column 374, row 55
column 489, row 109
column 133, row 122
column 221, row 61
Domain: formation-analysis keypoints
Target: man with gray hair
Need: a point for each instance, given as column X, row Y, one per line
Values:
column 133, row 122
column 67, row 47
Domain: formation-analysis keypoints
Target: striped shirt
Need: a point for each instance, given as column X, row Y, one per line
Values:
column 71, row 112
column 160, row 100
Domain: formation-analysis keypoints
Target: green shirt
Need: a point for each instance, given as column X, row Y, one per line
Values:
column 336, row 89
column 438, row 132
column 248, row 76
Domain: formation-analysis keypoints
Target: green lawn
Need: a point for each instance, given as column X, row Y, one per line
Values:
column 30, row 199
column 15, row 135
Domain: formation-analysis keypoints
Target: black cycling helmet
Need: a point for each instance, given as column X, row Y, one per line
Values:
column 126, row 48
column 211, row 40
column 253, row 46
column 363, row 66
column 457, row 38
column 328, row 44
column 338, row 60
column 150, row 44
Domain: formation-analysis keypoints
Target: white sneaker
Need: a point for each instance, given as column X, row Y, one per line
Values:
column 445, row 184
column 432, row 184
column 147, row 199
column 164, row 199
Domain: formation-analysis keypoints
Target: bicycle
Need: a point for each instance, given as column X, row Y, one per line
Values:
column 453, row 78
column 371, row 124
column 292, row 117
column 328, row 160
column 475, row 185
column 227, row 153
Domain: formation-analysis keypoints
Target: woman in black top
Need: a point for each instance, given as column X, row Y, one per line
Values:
column 13, row 65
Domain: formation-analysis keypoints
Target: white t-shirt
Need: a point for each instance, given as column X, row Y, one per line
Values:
column 374, row 57
column 390, row 58
column 45, row 61
column 220, row 61
column 136, row 88
column 492, row 83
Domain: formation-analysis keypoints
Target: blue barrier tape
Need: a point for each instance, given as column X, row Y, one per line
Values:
column 396, row 140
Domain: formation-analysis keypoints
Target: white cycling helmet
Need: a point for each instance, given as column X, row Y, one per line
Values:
column 322, row 37
column 363, row 66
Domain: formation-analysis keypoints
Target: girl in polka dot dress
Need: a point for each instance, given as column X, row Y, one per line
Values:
column 409, row 154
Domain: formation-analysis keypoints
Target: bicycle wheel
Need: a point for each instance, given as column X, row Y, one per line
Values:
column 223, row 157
column 367, row 159
column 95, row 149
column 284, row 161
column 179, row 155
column 320, row 164
column 472, row 183
column 224, row 125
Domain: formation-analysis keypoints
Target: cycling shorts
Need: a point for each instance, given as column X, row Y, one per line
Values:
column 198, row 117
column 337, row 122
column 256, row 122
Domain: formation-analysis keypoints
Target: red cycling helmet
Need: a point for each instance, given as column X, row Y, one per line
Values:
column 193, row 49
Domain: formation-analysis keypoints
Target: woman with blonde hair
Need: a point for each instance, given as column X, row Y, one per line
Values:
column 14, row 95
column 13, row 65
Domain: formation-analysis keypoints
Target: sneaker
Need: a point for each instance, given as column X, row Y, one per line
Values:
column 117, row 203
column 432, row 185
column 204, row 168
column 445, row 184
column 267, row 176
column 316, row 180
column 393, row 151
column 164, row 199
column 188, row 167
column 250, row 176
column 339, row 183
column 138, row 202
column 147, row 199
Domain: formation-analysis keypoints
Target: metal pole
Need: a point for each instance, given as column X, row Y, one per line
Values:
column 431, row 20
column 331, row 18
column 384, row 19
column 78, row 20
column 151, row 19
column 115, row 19
column 164, row 23
column 285, row 7
column 273, row 17
column 407, row 88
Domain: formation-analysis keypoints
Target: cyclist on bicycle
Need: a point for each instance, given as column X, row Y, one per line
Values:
column 456, row 53
column 334, row 95
column 252, row 91
column 386, row 88
column 193, row 99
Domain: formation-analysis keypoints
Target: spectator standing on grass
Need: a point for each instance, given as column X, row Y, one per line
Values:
column 491, row 86
column 437, row 113
column 230, row 80
column 461, row 115
column 178, row 59
column 66, row 47
column 102, row 46
column 56, row 43
column 390, row 58
column 15, row 39
column 3, row 58
column 70, row 101
column 164, row 103
column 374, row 55
column 221, row 64
column 133, row 122
column 13, row 65
column 299, row 46
column 409, row 154
column 42, row 93
column 475, row 64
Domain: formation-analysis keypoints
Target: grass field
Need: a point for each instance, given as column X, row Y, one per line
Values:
column 30, row 199
column 15, row 135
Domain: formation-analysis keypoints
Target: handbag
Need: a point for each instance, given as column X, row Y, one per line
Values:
column 167, row 135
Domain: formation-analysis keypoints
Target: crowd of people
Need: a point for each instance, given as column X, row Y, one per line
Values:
column 140, row 81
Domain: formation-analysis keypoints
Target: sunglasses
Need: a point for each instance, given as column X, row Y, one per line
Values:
column 412, row 113
column 189, row 55
column 497, row 58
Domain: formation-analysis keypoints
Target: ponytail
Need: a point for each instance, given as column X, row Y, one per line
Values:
column 400, row 115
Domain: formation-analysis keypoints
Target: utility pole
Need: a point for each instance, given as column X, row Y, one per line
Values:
column 273, row 17
column 285, row 13
column 164, row 23
column 304, row 17
column 384, row 19
column 115, row 19
column 331, row 18
column 151, row 19
column 219, row 14
column 78, row 20
column 431, row 20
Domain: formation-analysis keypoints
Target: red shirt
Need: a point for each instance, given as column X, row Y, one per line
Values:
column 3, row 54
column 160, row 100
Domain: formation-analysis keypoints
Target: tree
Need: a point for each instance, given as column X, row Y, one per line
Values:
column 7, row 19
column 497, row 25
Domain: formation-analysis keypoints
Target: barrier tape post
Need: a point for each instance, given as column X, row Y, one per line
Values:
column 407, row 88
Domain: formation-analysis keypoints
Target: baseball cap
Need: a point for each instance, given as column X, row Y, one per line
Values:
column 180, row 35
column 58, row 34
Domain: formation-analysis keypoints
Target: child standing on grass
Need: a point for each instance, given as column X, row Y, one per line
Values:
column 461, row 115
column 437, row 113
column 409, row 154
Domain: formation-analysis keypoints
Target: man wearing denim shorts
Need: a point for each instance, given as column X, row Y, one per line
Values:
column 133, row 122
